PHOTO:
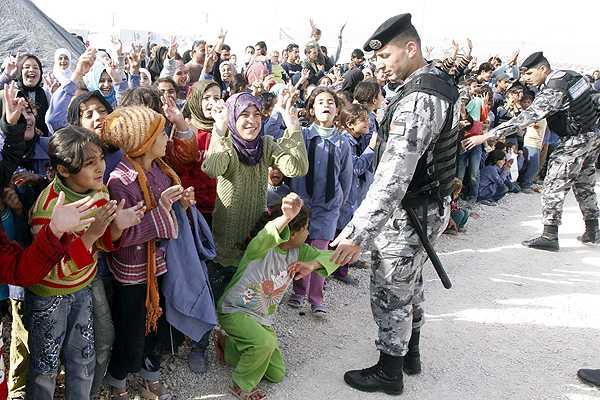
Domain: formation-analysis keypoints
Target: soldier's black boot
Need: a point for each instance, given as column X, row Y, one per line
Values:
column 412, row 359
column 590, row 376
column 548, row 241
column 385, row 376
column 592, row 232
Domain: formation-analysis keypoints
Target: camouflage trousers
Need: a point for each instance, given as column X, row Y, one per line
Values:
column 396, row 278
column 571, row 166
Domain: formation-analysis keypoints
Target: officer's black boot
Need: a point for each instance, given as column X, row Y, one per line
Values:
column 548, row 241
column 590, row 376
column 592, row 232
column 412, row 359
column 385, row 376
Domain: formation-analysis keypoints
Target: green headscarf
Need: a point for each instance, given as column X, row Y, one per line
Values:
column 194, row 104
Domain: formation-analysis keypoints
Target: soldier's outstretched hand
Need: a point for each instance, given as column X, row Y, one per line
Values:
column 346, row 251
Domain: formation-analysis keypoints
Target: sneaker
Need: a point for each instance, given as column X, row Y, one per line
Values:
column 295, row 301
column 488, row 203
column 319, row 312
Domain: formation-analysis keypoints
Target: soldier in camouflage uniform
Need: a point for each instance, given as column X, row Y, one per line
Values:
column 567, row 101
column 382, row 225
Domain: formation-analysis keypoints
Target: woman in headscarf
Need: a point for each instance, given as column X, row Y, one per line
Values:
column 62, row 69
column 239, row 157
column 29, row 86
column 185, row 155
column 99, row 79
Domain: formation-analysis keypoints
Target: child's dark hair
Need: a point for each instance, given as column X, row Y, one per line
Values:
column 67, row 147
column 295, row 225
column 367, row 91
column 353, row 113
column 310, row 103
column 143, row 96
column 74, row 110
column 494, row 156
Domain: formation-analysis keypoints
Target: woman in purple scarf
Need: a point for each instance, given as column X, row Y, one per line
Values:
column 239, row 157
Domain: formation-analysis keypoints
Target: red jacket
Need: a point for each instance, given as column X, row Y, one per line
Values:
column 186, row 157
column 28, row 267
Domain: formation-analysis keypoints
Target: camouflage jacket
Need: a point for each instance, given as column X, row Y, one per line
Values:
column 416, row 123
column 546, row 102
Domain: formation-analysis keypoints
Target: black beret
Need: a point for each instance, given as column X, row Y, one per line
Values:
column 533, row 60
column 387, row 31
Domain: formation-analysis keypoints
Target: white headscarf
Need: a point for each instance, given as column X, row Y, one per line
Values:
column 62, row 75
column 144, row 71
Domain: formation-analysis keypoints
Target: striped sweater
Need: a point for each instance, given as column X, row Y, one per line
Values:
column 129, row 263
column 76, row 270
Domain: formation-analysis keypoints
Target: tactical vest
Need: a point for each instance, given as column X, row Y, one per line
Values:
column 581, row 113
column 436, row 168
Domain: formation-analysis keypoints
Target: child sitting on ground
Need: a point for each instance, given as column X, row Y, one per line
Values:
column 459, row 216
column 276, row 255
column 494, row 178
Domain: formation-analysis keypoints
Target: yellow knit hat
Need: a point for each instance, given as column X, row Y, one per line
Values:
column 133, row 129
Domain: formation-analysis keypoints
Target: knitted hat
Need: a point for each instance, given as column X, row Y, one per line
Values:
column 133, row 129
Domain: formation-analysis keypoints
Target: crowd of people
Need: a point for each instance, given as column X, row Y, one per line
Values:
column 159, row 193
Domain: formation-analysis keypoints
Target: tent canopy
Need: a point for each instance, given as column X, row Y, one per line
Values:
column 25, row 28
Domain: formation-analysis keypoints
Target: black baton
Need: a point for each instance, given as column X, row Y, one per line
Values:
column 437, row 264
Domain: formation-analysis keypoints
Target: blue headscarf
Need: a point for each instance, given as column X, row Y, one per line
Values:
column 92, row 82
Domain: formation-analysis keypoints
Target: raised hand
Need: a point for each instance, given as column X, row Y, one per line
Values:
column 220, row 114
column 172, row 47
column 84, row 64
column 113, row 71
column 170, row 196
column 291, row 205
column 51, row 82
column 134, row 60
column 173, row 114
column 117, row 44
column 70, row 217
column 13, row 105
column 469, row 49
column 104, row 217
column 514, row 57
column 11, row 66
column 290, row 116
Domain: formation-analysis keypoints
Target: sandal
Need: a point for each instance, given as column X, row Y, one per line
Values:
column 295, row 301
column 255, row 394
column 219, row 342
column 154, row 391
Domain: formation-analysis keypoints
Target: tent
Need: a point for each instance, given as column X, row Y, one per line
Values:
column 25, row 28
